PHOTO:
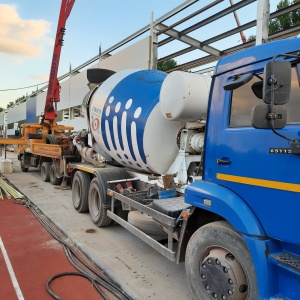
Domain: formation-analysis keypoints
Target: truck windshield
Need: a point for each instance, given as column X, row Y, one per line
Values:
column 243, row 100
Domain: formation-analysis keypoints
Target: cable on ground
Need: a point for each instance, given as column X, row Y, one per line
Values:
column 97, row 280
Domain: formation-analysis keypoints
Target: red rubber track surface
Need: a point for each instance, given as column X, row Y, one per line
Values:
column 35, row 257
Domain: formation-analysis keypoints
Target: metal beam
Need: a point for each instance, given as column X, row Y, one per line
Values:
column 210, row 19
column 163, row 18
column 188, row 40
column 285, row 10
column 286, row 33
column 199, row 11
column 178, row 53
column 168, row 253
column 204, row 22
column 210, row 58
column 209, row 41
column 230, row 32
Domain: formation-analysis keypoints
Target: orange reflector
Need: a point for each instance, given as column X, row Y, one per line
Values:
column 111, row 193
column 185, row 214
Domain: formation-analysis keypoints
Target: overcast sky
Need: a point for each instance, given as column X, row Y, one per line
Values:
column 27, row 33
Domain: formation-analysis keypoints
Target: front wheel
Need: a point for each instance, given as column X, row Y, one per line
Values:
column 218, row 264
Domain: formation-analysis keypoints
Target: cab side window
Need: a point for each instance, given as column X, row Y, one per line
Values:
column 243, row 100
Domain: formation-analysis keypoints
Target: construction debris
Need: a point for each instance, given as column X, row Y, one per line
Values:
column 9, row 191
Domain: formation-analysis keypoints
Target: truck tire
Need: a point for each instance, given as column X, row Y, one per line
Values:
column 52, row 139
column 80, row 191
column 98, row 199
column 146, row 224
column 22, row 164
column 218, row 264
column 45, row 171
column 53, row 179
column 98, row 212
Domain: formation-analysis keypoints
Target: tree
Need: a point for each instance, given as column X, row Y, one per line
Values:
column 251, row 37
column 283, row 22
column 166, row 65
column 33, row 94
column 1, row 109
column 10, row 104
column 287, row 20
column 20, row 100
column 295, row 15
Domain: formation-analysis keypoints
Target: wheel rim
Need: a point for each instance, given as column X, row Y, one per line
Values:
column 222, row 275
column 94, row 200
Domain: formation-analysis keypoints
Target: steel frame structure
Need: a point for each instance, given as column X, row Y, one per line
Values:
column 171, row 33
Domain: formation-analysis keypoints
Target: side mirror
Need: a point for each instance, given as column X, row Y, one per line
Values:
column 262, row 115
column 17, row 133
column 277, row 82
column 238, row 81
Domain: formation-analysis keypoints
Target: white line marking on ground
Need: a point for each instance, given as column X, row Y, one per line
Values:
column 11, row 272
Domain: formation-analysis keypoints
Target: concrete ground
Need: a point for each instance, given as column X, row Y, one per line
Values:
column 141, row 271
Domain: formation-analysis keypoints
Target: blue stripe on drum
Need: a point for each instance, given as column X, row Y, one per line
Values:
column 126, row 112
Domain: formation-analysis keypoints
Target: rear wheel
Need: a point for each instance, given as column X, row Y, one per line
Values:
column 53, row 179
column 218, row 264
column 80, row 191
column 22, row 164
column 98, row 211
column 45, row 171
column 98, row 199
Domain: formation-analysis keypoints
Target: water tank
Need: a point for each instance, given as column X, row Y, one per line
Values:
column 184, row 96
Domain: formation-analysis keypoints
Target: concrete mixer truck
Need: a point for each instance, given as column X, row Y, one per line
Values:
column 204, row 170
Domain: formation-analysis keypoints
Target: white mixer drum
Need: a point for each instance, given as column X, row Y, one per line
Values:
column 184, row 96
column 127, row 123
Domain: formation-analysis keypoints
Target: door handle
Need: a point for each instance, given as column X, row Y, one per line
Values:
column 222, row 161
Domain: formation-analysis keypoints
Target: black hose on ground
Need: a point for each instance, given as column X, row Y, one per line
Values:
column 71, row 274
column 97, row 280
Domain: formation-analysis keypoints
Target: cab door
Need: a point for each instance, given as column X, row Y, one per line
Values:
column 256, row 164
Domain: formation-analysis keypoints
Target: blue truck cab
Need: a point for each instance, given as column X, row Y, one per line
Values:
column 251, row 179
column 233, row 180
